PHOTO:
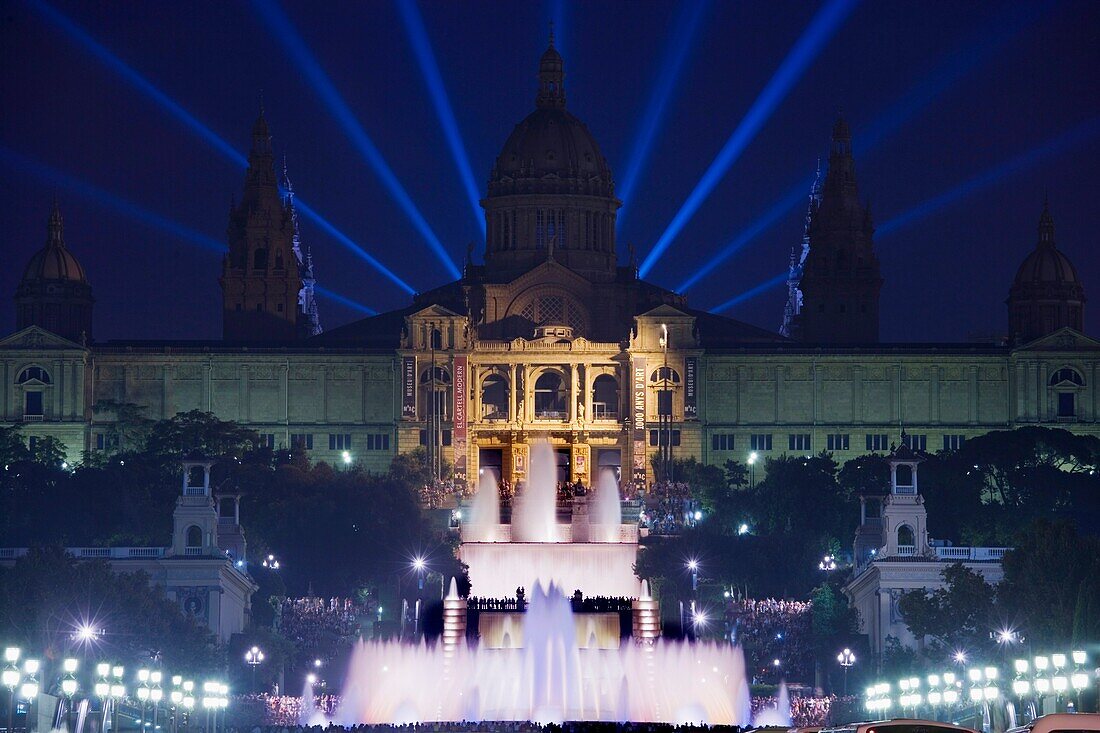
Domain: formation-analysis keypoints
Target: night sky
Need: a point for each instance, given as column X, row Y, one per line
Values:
column 973, row 85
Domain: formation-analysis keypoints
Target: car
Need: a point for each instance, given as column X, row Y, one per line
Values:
column 899, row 725
column 1061, row 723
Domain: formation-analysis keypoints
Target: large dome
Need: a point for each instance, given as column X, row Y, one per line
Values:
column 1045, row 266
column 54, row 261
column 551, row 151
column 1046, row 294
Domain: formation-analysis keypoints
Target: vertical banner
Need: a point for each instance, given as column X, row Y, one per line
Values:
column 408, row 388
column 691, row 388
column 637, row 408
column 461, row 387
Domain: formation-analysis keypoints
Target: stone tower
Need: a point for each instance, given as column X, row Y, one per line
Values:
column 1046, row 294
column 551, row 195
column 54, row 292
column 264, row 292
column 840, row 280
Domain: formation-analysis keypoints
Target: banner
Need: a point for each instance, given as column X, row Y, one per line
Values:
column 691, row 388
column 408, row 387
column 637, row 407
column 461, row 382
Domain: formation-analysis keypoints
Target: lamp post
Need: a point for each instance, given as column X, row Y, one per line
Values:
column 156, row 693
column 10, row 678
column 69, row 686
column 827, row 564
column 1079, row 680
column 102, row 690
column 143, row 692
column 29, row 688
column 752, row 469
column 253, row 657
column 846, row 658
column 118, row 691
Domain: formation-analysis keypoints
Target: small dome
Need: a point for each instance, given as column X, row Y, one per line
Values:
column 1046, row 264
column 54, row 261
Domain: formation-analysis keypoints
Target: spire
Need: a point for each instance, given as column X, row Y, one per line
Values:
column 261, row 136
column 551, row 77
column 1046, row 225
column 56, row 227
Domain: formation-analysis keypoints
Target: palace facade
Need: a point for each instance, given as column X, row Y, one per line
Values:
column 551, row 338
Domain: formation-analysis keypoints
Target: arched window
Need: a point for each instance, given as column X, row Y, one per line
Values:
column 194, row 536
column 278, row 259
column 1067, row 377
column 494, row 398
column 605, row 398
column 904, row 475
column 906, row 537
column 665, row 374
column 435, row 392
column 550, row 396
column 259, row 259
column 33, row 374
column 436, row 339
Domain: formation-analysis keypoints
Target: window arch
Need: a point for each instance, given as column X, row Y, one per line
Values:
column 665, row 374
column 1067, row 376
column 906, row 538
column 33, row 374
column 442, row 375
column 259, row 259
column 605, row 397
column 436, row 395
column 194, row 536
column 494, row 397
column 550, row 396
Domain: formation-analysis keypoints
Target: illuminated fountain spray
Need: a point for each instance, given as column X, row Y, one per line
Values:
column 549, row 679
column 534, row 513
column 484, row 522
column 606, row 510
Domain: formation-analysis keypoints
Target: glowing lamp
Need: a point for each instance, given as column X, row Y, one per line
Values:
column 188, row 685
column 904, row 685
column 933, row 680
column 1079, row 657
column 143, row 675
column 1021, row 666
column 156, row 676
column 102, row 689
column 70, row 665
column 29, row 690
column 1041, row 664
column 143, row 693
column 118, row 690
column 976, row 694
column 991, row 673
column 118, row 671
column 11, row 654
column 1079, row 680
column 177, row 679
column 31, row 666
column 10, row 678
column 949, row 678
column 975, row 675
column 950, row 696
column 176, row 697
column 1059, row 682
column 103, row 669
column 188, row 702
column 156, row 694
column 69, row 686
column 1042, row 685
column 1021, row 687
column 1058, row 660
column 934, row 698
column 990, row 693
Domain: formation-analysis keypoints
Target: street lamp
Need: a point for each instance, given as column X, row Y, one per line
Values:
column 693, row 566
column 253, row 657
column 271, row 562
column 752, row 469
column 10, row 678
column 846, row 658
column 827, row 564
column 156, row 693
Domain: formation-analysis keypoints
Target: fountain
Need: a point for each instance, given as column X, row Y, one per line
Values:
column 549, row 679
column 547, row 663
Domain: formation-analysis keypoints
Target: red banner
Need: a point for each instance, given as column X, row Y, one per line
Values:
column 461, row 387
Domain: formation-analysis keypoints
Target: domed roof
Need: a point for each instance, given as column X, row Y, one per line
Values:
column 551, row 151
column 54, row 261
column 1046, row 265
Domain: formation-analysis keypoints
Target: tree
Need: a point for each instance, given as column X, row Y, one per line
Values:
column 958, row 615
column 1050, row 583
column 48, row 594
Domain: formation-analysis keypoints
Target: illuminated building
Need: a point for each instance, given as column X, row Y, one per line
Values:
column 552, row 338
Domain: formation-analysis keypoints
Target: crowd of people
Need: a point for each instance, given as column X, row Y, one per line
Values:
column 318, row 626
column 438, row 493
column 667, row 507
column 505, row 726
column 771, row 630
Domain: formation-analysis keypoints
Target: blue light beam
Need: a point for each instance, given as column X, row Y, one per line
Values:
column 53, row 177
column 751, row 293
column 824, row 24
column 150, row 90
column 284, row 32
column 965, row 59
column 1068, row 140
column 422, row 47
column 679, row 46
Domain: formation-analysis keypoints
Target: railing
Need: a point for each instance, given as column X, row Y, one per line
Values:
column 976, row 554
column 906, row 490
column 550, row 414
column 907, row 550
column 194, row 491
column 192, row 551
column 33, row 418
column 91, row 553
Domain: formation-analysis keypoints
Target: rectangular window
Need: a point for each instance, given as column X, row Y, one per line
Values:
column 32, row 442
column 664, row 403
column 721, row 441
column 301, row 441
column 1067, row 404
column 32, row 404
column 661, row 437
column 760, row 441
column 445, row 436
column 339, row 441
column 878, row 441
column 837, row 441
column 378, row 441
column 267, row 440
column 915, row 441
column 100, row 441
column 799, row 442
column 953, row 442
column 540, row 228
